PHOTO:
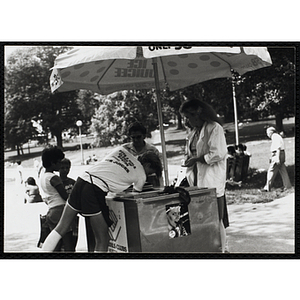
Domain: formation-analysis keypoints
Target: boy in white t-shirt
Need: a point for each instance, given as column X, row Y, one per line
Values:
column 115, row 173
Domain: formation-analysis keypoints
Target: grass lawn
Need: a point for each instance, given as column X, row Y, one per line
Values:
column 251, row 134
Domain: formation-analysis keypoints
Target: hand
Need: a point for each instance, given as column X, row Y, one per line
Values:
column 190, row 162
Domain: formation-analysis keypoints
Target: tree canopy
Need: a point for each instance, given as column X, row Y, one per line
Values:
column 28, row 96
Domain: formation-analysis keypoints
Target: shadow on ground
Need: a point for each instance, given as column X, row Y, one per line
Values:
column 251, row 189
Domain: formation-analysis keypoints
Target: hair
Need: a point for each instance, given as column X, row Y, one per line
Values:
column 171, row 208
column 241, row 147
column 30, row 181
column 231, row 150
column 18, row 162
column 208, row 114
column 66, row 161
column 271, row 129
column 51, row 155
column 137, row 126
column 153, row 159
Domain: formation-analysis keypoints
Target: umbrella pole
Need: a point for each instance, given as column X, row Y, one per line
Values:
column 160, row 121
column 235, row 113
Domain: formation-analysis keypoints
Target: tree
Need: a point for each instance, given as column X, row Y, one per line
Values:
column 27, row 75
column 271, row 90
column 216, row 92
column 88, row 102
column 17, row 129
column 107, row 121
column 118, row 110
column 174, row 100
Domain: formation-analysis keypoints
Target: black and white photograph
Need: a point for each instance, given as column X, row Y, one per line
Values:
column 120, row 126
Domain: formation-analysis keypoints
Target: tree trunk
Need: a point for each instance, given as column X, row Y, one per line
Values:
column 18, row 150
column 59, row 140
column 279, row 122
column 179, row 121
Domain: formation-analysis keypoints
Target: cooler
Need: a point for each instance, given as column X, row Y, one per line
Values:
column 144, row 222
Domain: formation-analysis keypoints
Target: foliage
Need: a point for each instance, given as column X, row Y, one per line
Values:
column 107, row 121
column 174, row 100
column 28, row 96
column 118, row 110
column 88, row 102
column 270, row 91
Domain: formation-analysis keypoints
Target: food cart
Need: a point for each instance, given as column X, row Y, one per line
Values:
column 143, row 222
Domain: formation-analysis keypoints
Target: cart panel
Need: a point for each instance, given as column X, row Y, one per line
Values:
column 202, row 233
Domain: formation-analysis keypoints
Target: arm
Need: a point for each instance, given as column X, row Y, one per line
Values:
column 58, row 185
column 191, row 161
column 217, row 148
column 140, row 181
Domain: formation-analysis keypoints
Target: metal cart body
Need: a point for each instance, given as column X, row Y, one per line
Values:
column 141, row 224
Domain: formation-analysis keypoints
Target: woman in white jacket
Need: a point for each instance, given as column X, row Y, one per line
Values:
column 207, row 154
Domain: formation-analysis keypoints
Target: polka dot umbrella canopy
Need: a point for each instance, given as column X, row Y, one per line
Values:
column 107, row 69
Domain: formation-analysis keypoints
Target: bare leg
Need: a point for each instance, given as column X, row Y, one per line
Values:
column 100, row 230
column 66, row 220
column 60, row 230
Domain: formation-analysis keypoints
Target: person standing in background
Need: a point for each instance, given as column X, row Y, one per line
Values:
column 277, row 161
column 20, row 189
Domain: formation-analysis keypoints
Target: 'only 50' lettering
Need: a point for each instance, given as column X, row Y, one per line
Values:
column 153, row 48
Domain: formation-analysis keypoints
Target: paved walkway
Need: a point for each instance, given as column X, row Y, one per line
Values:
column 262, row 228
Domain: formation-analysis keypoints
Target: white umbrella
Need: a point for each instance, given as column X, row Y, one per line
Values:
column 105, row 69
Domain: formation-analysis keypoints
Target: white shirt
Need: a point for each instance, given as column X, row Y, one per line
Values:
column 119, row 170
column 277, row 142
column 49, row 193
column 211, row 144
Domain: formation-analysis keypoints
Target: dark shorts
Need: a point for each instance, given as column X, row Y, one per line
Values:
column 222, row 208
column 53, row 216
column 89, row 200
